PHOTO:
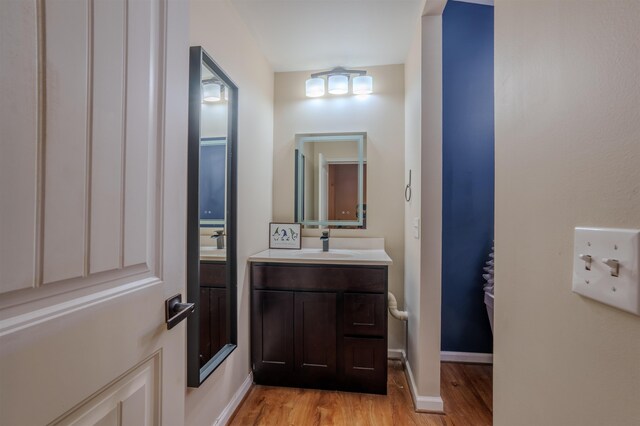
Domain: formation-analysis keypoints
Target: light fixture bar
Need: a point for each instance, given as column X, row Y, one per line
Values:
column 338, row 70
column 337, row 80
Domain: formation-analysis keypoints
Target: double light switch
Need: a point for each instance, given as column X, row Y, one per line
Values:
column 605, row 266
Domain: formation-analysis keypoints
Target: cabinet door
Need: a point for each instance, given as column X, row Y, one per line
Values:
column 205, row 326
column 218, row 315
column 213, row 322
column 315, row 338
column 272, row 337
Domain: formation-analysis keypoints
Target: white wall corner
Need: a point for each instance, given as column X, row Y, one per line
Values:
column 471, row 357
column 421, row 403
column 230, row 409
column 424, row 352
column 434, row 7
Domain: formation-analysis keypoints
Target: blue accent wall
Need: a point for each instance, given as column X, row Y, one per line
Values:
column 213, row 160
column 468, row 173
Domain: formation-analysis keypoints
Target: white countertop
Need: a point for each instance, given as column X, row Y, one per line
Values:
column 317, row 256
column 213, row 253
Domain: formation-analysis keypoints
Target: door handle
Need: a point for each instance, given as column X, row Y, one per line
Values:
column 175, row 311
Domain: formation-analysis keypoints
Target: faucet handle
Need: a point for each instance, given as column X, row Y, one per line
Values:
column 325, row 234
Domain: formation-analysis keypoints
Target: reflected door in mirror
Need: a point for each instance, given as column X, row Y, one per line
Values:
column 343, row 191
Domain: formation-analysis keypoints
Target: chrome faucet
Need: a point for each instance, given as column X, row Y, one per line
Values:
column 219, row 237
column 325, row 240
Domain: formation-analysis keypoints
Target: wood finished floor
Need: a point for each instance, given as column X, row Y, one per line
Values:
column 466, row 391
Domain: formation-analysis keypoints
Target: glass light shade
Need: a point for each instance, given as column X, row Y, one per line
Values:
column 338, row 84
column 314, row 87
column 211, row 92
column 363, row 85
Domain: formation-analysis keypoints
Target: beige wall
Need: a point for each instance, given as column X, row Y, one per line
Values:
column 413, row 142
column 216, row 26
column 567, row 154
column 381, row 115
column 423, row 155
column 213, row 119
column 431, row 206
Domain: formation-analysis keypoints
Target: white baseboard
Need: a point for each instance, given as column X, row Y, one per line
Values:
column 473, row 357
column 228, row 411
column 396, row 354
column 430, row 404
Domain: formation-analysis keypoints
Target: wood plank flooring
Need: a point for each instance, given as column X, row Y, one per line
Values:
column 466, row 391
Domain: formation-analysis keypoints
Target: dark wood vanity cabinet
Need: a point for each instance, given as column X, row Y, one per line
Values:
column 319, row 326
column 213, row 309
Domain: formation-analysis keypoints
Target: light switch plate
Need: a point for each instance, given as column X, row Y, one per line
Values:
column 623, row 245
column 416, row 228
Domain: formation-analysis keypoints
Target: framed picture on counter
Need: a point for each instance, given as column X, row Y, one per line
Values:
column 285, row 236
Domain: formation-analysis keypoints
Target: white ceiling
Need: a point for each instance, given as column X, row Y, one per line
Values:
column 300, row 35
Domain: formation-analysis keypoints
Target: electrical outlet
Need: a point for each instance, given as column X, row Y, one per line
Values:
column 605, row 266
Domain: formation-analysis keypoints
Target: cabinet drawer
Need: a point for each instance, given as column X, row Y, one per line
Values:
column 371, row 279
column 364, row 314
column 213, row 274
column 365, row 365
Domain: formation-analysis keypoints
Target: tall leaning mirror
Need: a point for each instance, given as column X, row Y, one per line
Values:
column 211, row 221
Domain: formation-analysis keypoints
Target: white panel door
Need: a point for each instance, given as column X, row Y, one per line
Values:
column 93, row 118
column 323, row 188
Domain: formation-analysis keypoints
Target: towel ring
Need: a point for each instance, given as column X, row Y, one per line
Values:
column 407, row 189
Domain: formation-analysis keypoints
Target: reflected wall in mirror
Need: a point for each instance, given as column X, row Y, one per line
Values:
column 331, row 180
column 211, row 221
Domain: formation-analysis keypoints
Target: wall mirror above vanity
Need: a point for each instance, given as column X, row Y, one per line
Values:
column 331, row 180
column 211, row 216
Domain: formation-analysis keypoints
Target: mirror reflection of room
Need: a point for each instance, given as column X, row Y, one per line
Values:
column 213, row 154
column 212, row 200
column 332, row 182
column 211, row 216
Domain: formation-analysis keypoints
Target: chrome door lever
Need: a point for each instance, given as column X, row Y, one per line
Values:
column 175, row 311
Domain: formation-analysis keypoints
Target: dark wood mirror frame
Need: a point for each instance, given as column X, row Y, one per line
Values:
column 196, row 374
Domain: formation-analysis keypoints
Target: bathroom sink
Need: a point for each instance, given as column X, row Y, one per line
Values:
column 342, row 251
column 208, row 252
column 319, row 254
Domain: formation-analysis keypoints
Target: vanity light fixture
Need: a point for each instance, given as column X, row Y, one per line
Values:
column 338, row 82
column 315, row 87
column 362, row 85
column 211, row 92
